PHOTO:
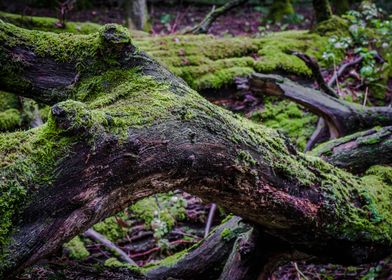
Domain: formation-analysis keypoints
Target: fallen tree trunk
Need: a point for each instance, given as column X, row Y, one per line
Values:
column 343, row 118
column 122, row 127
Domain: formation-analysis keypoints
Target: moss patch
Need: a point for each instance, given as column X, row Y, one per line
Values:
column 49, row 24
column 76, row 249
column 288, row 117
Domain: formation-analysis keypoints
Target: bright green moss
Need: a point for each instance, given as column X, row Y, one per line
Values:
column 222, row 77
column 226, row 234
column 111, row 229
column 76, row 249
column 49, row 24
column 208, row 62
column 114, row 262
column 334, row 26
column 10, row 119
column 63, row 47
column 384, row 173
column 160, row 212
column 287, row 116
column 274, row 51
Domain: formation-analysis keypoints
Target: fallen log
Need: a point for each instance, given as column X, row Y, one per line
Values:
column 122, row 127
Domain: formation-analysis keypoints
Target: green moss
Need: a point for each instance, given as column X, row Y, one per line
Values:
column 111, row 229
column 160, row 212
column 114, row 262
column 10, row 120
column 49, row 24
column 27, row 158
column 287, row 116
column 333, row 26
column 226, row 234
column 246, row 157
column 274, row 48
column 222, row 77
column 208, row 62
column 384, row 173
column 76, row 249
column 8, row 101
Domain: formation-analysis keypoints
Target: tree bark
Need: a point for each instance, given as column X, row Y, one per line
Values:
column 122, row 127
column 322, row 10
column 137, row 14
column 279, row 9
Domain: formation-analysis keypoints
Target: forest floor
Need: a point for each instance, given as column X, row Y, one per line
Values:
column 140, row 239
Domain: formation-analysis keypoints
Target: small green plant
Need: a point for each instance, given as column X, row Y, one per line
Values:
column 370, row 37
column 160, row 212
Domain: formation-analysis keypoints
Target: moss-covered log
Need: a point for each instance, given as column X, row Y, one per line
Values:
column 122, row 127
column 357, row 152
column 208, row 62
column 342, row 117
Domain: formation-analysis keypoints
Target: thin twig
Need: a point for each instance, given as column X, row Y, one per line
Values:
column 92, row 234
column 342, row 69
column 299, row 271
column 365, row 100
column 206, row 23
column 210, row 219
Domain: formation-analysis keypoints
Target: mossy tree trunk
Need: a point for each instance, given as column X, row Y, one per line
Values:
column 322, row 10
column 137, row 14
column 122, row 127
column 279, row 9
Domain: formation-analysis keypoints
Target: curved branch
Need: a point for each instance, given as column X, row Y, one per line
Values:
column 343, row 118
column 316, row 72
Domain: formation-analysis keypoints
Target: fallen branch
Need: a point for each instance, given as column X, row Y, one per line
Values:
column 206, row 23
column 92, row 234
column 319, row 135
column 210, row 218
column 209, row 254
column 343, row 118
column 342, row 70
column 316, row 73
